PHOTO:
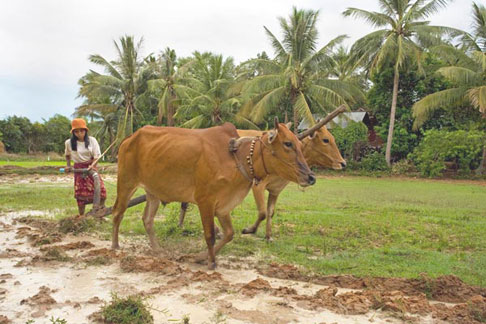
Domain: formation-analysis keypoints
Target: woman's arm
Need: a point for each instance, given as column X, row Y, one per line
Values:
column 68, row 163
column 67, row 154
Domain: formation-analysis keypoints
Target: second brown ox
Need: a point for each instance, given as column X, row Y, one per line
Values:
column 196, row 166
column 319, row 149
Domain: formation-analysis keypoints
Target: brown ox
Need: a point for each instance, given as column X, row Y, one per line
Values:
column 196, row 166
column 319, row 149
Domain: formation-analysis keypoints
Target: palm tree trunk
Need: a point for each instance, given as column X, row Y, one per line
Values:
column 170, row 109
column 482, row 165
column 170, row 114
column 392, row 118
column 296, row 115
column 131, row 117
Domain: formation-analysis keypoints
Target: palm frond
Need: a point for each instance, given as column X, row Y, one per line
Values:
column 326, row 95
column 423, row 108
column 93, row 108
column 100, row 60
column 268, row 103
column 196, row 122
column 477, row 96
column 277, row 46
column 376, row 19
column 303, row 110
column 460, row 75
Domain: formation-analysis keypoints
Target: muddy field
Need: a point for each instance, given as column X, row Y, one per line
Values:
column 46, row 273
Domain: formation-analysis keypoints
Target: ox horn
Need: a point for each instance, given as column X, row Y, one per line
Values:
column 275, row 121
column 322, row 122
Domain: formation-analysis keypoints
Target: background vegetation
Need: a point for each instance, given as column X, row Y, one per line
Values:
column 411, row 76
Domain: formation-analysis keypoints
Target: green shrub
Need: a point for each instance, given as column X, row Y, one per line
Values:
column 346, row 138
column 404, row 166
column 374, row 161
column 461, row 147
column 129, row 310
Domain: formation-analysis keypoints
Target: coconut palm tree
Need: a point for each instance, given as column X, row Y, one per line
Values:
column 123, row 82
column 344, row 66
column 467, row 74
column 403, row 34
column 210, row 99
column 293, row 80
column 170, row 84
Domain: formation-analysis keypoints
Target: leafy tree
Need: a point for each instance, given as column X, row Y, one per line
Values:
column 57, row 130
column 124, row 83
column 403, row 35
column 346, row 67
column 347, row 138
column 413, row 86
column 294, row 80
column 210, row 100
column 170, row 84
column 467, row 73
column 16, row 131
column 462, row 148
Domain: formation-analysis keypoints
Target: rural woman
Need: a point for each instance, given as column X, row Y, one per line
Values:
column 83, row 150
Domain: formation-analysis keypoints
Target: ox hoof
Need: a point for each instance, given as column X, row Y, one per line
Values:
column 248, row 230
column 212, row 265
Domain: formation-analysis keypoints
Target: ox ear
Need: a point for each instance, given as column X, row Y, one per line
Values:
column 272, row 135
column 289, row 124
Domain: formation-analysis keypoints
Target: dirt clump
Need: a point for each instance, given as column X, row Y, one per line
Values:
column 102, row 256
column 81, row 245
column 452, row 289
column 149, row 264
column 94, row 300
column 255, row 286
column 104, row 252
column 41, row 298
column 204, row 276
column 283, row 271
column 76, row 224
column 283, row 291
column 448, row 288
column 4, row 320
column 44, row 224
column 39, row 232
column 12, row 253
column 4, row 276
column 473, row 311
column 52, row 254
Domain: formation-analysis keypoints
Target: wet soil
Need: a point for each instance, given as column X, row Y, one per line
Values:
column 45, row 273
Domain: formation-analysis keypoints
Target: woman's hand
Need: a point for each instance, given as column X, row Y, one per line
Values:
column 67, row 168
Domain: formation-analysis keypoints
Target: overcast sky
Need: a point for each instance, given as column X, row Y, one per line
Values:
column 46, row 43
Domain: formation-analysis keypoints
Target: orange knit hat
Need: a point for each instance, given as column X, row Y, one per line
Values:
column 78, row 123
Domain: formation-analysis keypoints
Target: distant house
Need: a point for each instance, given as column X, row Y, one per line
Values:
column 345, row 118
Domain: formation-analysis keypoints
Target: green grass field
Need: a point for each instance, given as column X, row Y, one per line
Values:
column 342, row 225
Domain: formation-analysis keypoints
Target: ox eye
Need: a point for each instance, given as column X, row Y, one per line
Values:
column 325, row 140
column 288, row 144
